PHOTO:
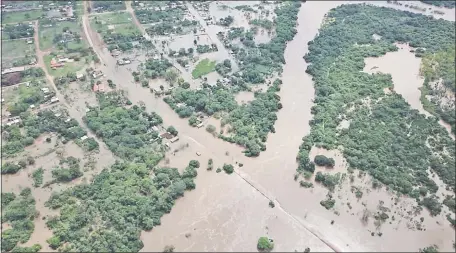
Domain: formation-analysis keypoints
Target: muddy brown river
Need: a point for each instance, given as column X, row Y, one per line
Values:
column 230, row 212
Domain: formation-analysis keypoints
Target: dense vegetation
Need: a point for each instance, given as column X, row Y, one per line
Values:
column 37, row 177
column 19, row 212
column 69, row 169
column 101, row 6
column 387, row 138
column 439, row 68
column 259, row 61
column 109, row 214
column 169, row 15
column 250, row 123
column 127, row 132
column 17, row 31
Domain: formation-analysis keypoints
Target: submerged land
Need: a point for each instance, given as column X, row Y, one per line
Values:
column 228, row 126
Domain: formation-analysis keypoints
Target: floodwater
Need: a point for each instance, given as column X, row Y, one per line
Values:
column 243, row 97
column 404, row 68
column 230, row 212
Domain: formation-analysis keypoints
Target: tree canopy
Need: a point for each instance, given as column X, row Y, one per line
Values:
column 395, row 144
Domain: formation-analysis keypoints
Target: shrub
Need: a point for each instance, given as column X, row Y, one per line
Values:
column 228, row 168
column 264, row 244
column 322, row 160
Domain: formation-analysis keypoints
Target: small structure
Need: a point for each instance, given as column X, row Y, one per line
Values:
column 29, row 41
column 111, row 27
column 115, row 53
column 79, row 75
column 155, row 128
column 166, row 135
column 45, row 90
column 200, row 125
column 55, row 64
column 54, row 100
column 13, row 70
column 84, row 137
column 174, row 139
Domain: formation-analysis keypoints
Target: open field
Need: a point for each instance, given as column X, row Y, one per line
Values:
column 203, row 67
column 22, row 16
column 48, row 34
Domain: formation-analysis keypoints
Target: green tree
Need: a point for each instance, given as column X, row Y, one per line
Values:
column 264, row 244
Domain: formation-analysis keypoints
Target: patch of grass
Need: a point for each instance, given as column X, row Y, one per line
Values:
column 17, row 48
column 21, row 16
column 114, row 18
column 204, row 67
column 126, row 29
column 37, row 176
column 47, row 34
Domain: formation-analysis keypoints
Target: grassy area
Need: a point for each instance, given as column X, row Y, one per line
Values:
column 114, row 18
column 47, row 34
column 126, row 29
column 21, row 16
column 204, row 67
column 23, row 92
column 17, row 48
column 70, row 67
column 79, row 8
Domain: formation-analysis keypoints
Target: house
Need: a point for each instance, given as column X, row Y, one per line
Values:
column 166, row 135
column 111, row 27
column 54, row 100
column 45, row 90
column 55, row 64
column 95, row 88
column 79, row 75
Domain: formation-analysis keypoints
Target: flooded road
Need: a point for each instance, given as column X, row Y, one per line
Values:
column 228, row 213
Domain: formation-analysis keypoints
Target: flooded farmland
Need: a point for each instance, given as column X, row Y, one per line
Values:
column 229, row 212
